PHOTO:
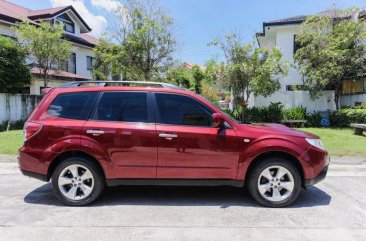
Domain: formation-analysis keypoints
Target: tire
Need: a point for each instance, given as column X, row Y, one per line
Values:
column 82, row 190
column 274, row 182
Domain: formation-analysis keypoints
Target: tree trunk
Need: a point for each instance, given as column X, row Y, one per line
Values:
column 336, row 100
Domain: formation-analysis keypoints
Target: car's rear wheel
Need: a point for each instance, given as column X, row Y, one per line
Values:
column 274, row 182
column 77, row 181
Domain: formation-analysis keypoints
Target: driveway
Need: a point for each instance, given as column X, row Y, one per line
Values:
column 332, row 210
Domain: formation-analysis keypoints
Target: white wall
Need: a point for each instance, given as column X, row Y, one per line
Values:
column 297, row 98
column 81, row 53
column 349, row 100
column 16, row 107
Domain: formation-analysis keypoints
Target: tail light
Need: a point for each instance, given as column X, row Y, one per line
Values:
column 31, row 129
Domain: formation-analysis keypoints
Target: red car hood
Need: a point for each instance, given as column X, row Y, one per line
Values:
column 269, row 128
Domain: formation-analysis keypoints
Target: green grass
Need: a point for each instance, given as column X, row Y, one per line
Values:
column 11, row 141
column 341, row 142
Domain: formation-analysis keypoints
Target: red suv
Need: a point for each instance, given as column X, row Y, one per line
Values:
column 85, row 135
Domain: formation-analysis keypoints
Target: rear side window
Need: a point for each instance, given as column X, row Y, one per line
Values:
column 182, row 110
column 122, row 106
column 72, row 105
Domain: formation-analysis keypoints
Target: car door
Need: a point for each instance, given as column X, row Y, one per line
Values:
column 188, row 146
column 122, row 124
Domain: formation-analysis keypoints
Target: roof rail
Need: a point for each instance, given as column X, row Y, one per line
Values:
column 103, row 83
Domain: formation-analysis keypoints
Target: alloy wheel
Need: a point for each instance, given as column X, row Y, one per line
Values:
column 276, row 183
column 76, row 182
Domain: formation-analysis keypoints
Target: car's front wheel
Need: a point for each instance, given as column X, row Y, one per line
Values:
column 274, row 182
column 77, row 181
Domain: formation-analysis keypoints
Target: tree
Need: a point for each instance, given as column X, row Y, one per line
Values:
column 45, row 46
column 331, row 51
column 144, row 33
column 181, row 76
column 198, row 77
column 251, row 70
column 14, row 73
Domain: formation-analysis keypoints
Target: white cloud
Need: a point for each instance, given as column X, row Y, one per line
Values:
column 96, row 22
column 109, row 5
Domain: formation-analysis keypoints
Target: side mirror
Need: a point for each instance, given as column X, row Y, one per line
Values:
column 217, row 120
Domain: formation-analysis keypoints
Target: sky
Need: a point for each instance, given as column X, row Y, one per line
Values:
column 198, row 22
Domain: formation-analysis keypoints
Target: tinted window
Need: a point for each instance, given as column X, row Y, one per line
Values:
column 122, row 106
column 182, row 110
column 72, row 105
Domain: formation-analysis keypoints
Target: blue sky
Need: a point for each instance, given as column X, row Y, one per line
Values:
column 200, row 21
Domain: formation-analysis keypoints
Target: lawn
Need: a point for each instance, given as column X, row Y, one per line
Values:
column 11, row 141
column 339, row 142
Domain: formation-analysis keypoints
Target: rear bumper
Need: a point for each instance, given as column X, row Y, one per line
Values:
column 322, row 174
column 35, row 175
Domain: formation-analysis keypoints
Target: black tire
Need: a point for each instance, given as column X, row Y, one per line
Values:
column 253, row 176
column 98, row 180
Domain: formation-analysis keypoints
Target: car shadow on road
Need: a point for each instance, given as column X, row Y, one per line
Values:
column 222, row 197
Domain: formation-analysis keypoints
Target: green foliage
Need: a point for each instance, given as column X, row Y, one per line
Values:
column 270, row 114
column 332, row 50
column 313, row 120
column 198, row 76
column 13, row 125
column 45, row 46
column 14, row 72
column 344, row 117
column 209, row 92
column 144, row 40
column 251, row 70
column 107, row 60
column 180, row 76
column 294, row 113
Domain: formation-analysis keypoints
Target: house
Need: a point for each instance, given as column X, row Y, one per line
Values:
column 281, row 33
column 78, row 67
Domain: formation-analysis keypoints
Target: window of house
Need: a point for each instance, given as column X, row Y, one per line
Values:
column 295, row 87
column 182, row 110
column 72, row 105
column 68, row 24
column 71, row 63
column 89, row 62
column 122, row 106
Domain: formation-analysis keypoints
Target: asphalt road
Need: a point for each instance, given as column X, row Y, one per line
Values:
column 332, row 210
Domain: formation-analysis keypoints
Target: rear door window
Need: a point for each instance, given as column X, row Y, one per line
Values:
column 72, row 105
column 122, row 106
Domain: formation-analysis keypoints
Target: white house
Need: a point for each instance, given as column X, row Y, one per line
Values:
column 79, row 64
column 281, row 33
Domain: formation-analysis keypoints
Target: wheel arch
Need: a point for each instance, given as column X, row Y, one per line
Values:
column 280, row 154
column 71, row 153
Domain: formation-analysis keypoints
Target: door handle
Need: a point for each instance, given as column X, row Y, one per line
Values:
column 168, row 136
column 95, row 132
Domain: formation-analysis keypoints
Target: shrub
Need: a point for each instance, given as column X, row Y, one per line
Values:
column 313, row 120
column 14, row 125
column 295, row 113
column 344, row 117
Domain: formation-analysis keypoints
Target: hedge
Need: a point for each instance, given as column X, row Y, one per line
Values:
column 276, row 112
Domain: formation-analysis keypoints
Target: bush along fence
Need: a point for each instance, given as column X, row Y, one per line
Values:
column 278, row 113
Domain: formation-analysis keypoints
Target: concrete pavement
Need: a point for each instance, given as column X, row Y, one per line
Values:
column 332, row 210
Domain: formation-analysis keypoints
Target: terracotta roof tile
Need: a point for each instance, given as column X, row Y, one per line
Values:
column 62, row 74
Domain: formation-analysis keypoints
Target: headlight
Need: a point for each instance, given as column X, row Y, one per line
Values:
column 316, row 142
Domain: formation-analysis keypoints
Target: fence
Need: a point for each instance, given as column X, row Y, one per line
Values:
column 17, row 107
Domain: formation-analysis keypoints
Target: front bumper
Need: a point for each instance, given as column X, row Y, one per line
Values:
column 322, row 174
